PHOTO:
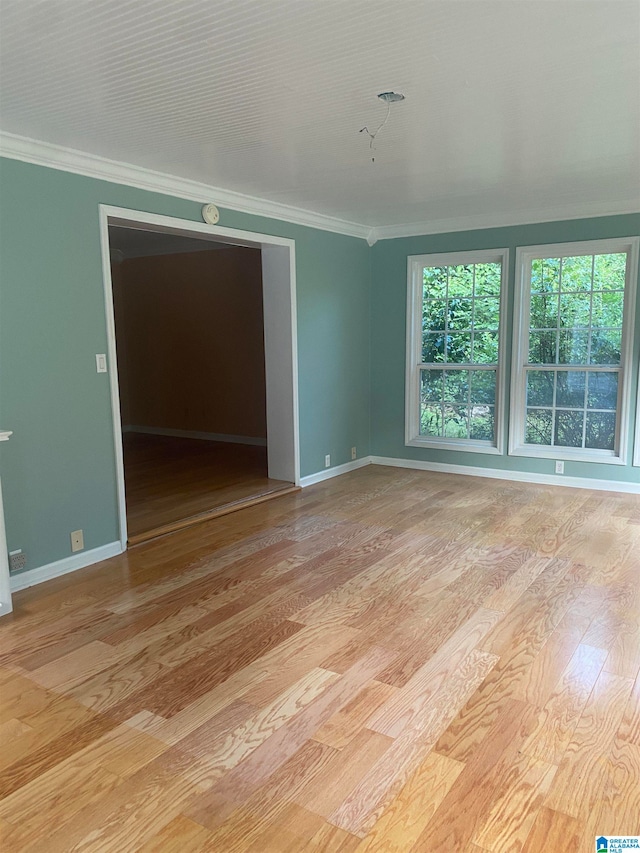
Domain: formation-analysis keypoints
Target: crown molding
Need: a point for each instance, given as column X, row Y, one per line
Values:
column 28, row 150
column 482, row 221
column 92, row 166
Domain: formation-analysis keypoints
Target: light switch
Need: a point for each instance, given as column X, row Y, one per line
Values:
column 101, row 363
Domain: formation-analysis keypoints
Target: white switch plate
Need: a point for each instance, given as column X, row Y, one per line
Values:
column 327, row 460
column 559, row 467
column 354, row 453
column 77, row 540
column 101, row 362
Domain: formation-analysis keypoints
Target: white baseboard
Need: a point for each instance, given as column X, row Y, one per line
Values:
column 517, row 476
column 201, row 436
column 64, row 566
column 328, row 473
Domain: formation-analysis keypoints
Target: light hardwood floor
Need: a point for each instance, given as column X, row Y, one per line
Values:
column 390, row 661
column 175, row 482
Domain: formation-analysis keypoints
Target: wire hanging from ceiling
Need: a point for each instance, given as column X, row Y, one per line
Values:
column 389, row 98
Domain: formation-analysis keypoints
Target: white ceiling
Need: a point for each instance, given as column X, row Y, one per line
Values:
column 515, row 110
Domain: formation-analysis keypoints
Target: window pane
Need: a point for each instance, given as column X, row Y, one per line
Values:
column 459, row 348
column 433, row 346
column 536, row 275
column 610, row 271
column 542, row 347
column 483, row 386
column 545, row 275
column 569, row 429
column 460, row 313
column 573, row 347
column 456, row 386
column 605, row 346
column 486, row 313
column 481, row 425
column 538, row 426
column 433, row 316
column 540, row 387
column 575, row 309
column 461, row 280
column 601, row 430
column 570, row 388
column 576, row 273
column 488, row 279
column 456, row 423
column 434, row 281
column 431, row 386
column 544, row 311
column 430, row 420
column 603, row 391
column 607, row 309
column 485, row 348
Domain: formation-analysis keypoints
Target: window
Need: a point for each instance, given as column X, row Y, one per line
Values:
column 455, row 350
column 572, row 350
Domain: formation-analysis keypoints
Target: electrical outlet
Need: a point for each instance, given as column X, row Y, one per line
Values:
column 327, row 460
column 559, row 467
column 17, row 560
column 354, row 454
column 77, row 540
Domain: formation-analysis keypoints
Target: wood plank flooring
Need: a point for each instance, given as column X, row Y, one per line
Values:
column 173, row 483
column 388, row 662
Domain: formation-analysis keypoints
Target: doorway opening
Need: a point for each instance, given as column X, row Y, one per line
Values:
column 201, row 326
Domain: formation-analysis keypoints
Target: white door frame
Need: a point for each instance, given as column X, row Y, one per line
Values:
column 6, row 604
column 280, row 335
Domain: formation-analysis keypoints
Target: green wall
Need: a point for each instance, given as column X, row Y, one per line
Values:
column 58, row 469
column 388, row 319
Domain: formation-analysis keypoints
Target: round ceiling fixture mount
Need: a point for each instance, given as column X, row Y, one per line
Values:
column 391, row 97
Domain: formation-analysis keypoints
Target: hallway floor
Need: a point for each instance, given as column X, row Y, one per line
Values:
column 170, row 480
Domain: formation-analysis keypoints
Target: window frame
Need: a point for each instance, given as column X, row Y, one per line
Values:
column 525, row 255
column 636, row 450
column 414, row 364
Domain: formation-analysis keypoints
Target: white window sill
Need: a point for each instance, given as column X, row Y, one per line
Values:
column 606, row 457
column 464, row 444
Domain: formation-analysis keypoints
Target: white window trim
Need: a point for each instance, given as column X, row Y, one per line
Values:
column 415, row 264
column 524, row 256
column 636, row 451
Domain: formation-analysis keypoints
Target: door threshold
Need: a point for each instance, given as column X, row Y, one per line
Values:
column 208, row 515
